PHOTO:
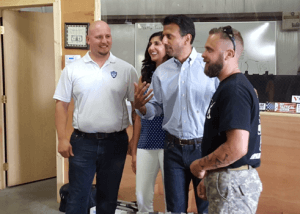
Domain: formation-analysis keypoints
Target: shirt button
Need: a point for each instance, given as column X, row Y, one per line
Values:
column 183, row 108
column 183, row 69
column 182, row 81
column 183, row 95
column 184, row 121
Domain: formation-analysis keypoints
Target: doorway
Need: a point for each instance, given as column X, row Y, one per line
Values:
column 29, row 85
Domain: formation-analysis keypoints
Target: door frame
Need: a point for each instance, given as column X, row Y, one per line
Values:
column 57, row 16
column 12, row 4
column 2, row 143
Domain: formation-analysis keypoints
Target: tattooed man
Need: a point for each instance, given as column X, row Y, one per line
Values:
column 231, row 140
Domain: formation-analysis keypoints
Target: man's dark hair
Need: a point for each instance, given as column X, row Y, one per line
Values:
column 186, row 24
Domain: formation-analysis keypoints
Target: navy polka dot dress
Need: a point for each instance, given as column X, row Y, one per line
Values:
column 152, row 135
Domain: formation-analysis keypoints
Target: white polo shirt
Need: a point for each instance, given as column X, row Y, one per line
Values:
column 99, row 93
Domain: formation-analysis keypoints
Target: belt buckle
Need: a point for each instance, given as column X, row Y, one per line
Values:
column 100, row 136
column 181, row 144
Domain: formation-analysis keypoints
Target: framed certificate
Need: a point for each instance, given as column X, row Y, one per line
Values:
column 75, row 35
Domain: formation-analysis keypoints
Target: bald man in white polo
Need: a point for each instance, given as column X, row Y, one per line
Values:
column 99, row 83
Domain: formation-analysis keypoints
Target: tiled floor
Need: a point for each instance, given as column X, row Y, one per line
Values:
column 34, row 198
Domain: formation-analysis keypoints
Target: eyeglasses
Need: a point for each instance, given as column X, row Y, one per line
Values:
column 228, row 31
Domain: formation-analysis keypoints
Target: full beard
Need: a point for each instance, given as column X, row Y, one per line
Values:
column 214, row 70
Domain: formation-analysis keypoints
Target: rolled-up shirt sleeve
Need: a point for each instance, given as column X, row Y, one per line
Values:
column 155, row 105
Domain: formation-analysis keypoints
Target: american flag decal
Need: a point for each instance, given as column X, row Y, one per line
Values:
column 295, row 99
column 270, row 106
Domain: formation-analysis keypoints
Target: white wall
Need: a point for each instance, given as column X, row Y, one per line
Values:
column 288, row 42
column 287, row 51
column 271, row 5
column 150, row 7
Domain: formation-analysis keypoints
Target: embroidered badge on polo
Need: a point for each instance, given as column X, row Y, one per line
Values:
column 113, row 74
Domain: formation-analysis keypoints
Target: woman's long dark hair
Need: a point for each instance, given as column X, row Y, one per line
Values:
column 148, row 66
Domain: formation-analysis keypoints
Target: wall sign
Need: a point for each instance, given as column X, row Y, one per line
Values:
column 75, row 35
column 290, row 20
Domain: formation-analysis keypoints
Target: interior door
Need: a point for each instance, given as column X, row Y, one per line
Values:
column 29, row 84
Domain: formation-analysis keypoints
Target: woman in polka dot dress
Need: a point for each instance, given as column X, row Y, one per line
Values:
column 148, row 140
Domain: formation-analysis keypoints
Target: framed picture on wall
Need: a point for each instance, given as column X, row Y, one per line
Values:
column 75, row 35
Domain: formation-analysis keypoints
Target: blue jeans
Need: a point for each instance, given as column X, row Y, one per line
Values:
column 177, row 176
column 106, row 157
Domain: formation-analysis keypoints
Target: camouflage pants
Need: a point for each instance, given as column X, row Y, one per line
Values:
column 233, row 192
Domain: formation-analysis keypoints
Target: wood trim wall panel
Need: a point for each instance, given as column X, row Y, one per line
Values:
column 57, row 39
column 280, row 163
column 97, row 11
column 74, row 11
column 25, row 3
column 58, row 68
column 2, row 154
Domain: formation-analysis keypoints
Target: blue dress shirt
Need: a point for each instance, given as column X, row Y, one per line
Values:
column 182, row 92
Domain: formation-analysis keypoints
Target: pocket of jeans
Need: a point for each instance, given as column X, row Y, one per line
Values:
column 120, row 144
column 198, row 147
column 122, row 137
column 168, row 145
column 75, row 137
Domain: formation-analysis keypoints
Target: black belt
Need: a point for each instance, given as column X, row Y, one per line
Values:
column 176, row 140
column 98, row 135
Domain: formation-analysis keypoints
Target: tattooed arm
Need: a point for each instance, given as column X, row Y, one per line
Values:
column 232, row 150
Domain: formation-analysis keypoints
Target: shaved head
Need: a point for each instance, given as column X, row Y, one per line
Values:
column 223, row 48
column 227, row 43
column 99, row 39
column 97, row 25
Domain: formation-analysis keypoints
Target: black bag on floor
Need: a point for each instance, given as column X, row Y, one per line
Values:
column 64, row 192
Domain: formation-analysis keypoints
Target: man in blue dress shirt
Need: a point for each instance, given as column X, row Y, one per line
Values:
column 181, row 91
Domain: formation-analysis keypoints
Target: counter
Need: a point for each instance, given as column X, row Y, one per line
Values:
column 280, row 163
